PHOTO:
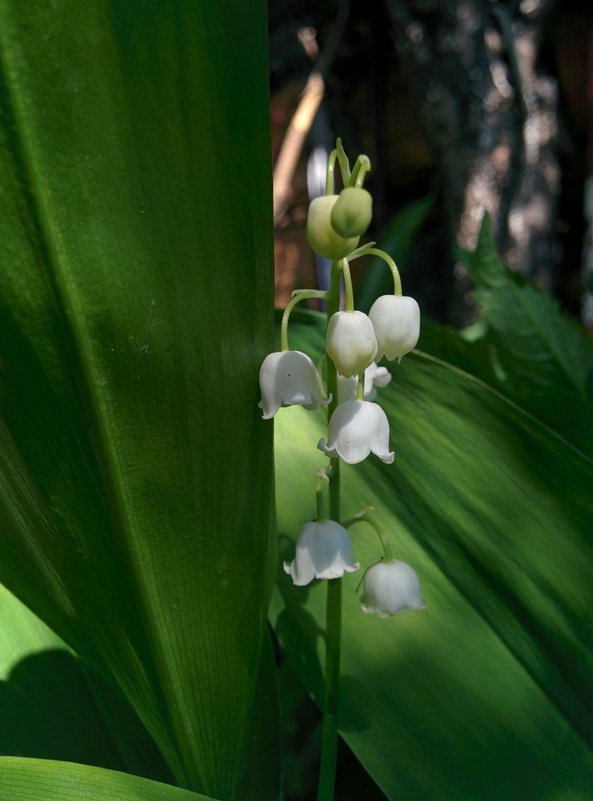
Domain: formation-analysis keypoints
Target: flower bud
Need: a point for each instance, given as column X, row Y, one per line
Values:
column 396, row 321
column 391, row 587
column 350, row 342
column 352, row 212
column 320, row 234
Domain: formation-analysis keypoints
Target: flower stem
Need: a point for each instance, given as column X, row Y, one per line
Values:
column 360, row 387
column 365, row 250
column 367, row 517
column 297, row 296
column 343, row 161
column 329, row 743
column 329, row 175
column 348, row 291
column 329, row 746
column 321, row 477
column 362, row 166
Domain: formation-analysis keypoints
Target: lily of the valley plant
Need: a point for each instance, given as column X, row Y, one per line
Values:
column 357, row 426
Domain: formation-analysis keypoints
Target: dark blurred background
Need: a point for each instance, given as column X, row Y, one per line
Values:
column 461, row 106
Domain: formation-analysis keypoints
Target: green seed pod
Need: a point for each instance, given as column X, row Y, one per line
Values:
column 352, row 212
column 320, row 234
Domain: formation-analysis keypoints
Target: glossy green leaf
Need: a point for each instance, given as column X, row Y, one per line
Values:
column 46, row 780
column 263, row 774
column 487, row 693
column 135, row 261
column 47, row 698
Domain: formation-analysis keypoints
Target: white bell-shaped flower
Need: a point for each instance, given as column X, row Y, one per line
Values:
column 350, row 342
column 323, row 551
column 287, row 378
column 355, row 429
column 396, row 321
column 375, row 377
column 391, row 587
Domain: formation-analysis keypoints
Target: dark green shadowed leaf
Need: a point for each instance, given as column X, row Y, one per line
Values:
column 47, row 699
column 487, row 693
column 45, row 780
column 135, row 271
column 540, row 357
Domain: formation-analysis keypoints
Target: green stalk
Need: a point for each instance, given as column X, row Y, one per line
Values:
column 366, row 250
column 297, row 296
column 333, row 629
column 348, row 292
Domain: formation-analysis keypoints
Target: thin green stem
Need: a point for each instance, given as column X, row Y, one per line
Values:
column 366, row 517
column 368, row 251
column 361, row 167
column 343, row 161
column 360, row 387
column 319, row 501
column 359, row 251
column 329, row 175
column 333, row 631
column 319, row 486
column 297, row 296
column 332, row 303
column 348, row 291
column 329, row 748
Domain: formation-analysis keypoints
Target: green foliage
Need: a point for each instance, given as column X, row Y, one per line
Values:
column 134, row 229
column 45, row 780
column 525, row 346
column 47, row 698
column 487, row 693
column 136, row 475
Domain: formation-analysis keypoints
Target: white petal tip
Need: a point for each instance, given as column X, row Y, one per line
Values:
column 330, row 574
column 387, row 458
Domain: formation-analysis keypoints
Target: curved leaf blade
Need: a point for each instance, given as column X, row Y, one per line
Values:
column 486, row 694
column 47, row 698
column 541, row 357
column 45, row 780
column 132, row 283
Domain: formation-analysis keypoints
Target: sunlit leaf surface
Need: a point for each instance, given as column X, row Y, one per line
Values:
column 45, row 780
column 48, row 698
column 487, row 693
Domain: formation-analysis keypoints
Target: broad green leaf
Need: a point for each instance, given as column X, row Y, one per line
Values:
column 135, row 271
column 397, row 239
column 47, row 698
column 540, row 357
column 46, row 780
column 264, row 760
column 487, row 693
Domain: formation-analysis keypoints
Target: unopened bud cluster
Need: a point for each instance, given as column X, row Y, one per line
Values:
column 358, row 426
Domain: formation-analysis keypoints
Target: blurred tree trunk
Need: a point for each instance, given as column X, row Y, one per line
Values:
column 490, row 117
